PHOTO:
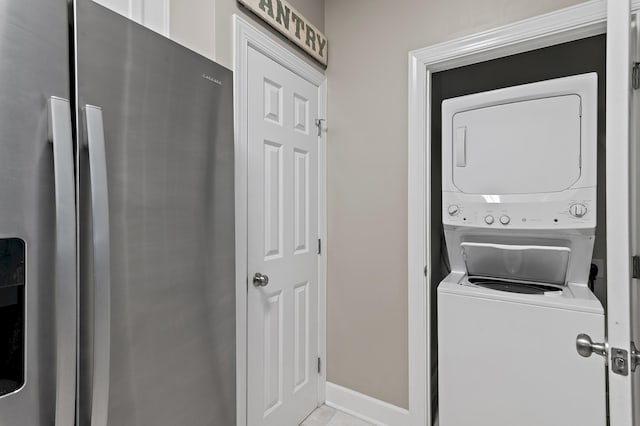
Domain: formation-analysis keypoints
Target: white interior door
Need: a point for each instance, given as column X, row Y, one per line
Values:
column 622, row 217
column 282, row 343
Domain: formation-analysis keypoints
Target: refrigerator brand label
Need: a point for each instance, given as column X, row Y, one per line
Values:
column 284, row 18
column 212, row 79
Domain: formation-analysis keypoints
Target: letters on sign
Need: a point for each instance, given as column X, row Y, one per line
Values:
column 281, row 16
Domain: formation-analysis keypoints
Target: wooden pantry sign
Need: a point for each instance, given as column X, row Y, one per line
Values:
column 284, row 18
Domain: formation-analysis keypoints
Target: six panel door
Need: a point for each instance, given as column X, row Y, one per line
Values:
column 282, row 244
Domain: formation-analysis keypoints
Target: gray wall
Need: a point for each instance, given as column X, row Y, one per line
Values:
column 206, row 26
column 367, row 165
column 367, row 174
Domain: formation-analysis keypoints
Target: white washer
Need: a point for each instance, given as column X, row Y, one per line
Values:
column 519, row 204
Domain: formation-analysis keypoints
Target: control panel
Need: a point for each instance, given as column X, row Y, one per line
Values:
column 578, row 211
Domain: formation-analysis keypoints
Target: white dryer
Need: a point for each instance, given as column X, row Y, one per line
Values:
column 519, row 216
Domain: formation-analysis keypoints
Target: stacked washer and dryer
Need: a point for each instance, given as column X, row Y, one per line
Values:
column 519, row 216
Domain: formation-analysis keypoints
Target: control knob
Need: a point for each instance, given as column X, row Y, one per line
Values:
column 578, row 210
column 488, row 219
column 454, row 210
column 504, row 219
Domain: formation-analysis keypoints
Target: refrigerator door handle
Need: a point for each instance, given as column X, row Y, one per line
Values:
column 65, row 259
column 101, row 265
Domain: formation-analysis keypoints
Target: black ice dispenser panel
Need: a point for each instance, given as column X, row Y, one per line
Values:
column 12, row 303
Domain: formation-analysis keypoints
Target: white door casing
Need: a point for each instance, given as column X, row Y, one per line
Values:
column 153, row 14
column 282, row 203
column 622, row 220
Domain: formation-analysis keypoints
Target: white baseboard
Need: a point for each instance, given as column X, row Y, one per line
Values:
column 365, row 407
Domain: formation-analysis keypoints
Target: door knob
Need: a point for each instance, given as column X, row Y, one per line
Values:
column 635, row 357
column 260, row 280
column 586, row 347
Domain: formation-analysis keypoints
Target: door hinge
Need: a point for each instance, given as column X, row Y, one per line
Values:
column 319, row 125
column 635, row 76
column 635, row 270
column 319, row 246
column 319, row 365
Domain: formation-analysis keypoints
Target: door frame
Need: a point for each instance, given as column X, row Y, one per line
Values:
column 139, row 13
column 572, row 23
column 247, row 36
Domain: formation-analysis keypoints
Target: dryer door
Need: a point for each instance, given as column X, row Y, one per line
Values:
column 539, row 137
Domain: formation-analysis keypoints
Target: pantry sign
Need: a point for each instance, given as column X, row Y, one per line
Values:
column 284, row 18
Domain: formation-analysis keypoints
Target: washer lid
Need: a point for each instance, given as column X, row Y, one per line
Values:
column 546, row 264
column 524, row 147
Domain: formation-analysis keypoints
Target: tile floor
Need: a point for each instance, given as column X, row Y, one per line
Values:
column 327, row 416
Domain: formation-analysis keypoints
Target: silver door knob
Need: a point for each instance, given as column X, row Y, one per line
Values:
column 586, row 347
column 260, row 280
column 635, row 357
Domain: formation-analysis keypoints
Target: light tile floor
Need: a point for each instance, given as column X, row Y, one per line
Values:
column 327, row 416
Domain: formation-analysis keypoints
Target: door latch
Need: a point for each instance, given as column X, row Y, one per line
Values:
column 619, row 361
column 635, row 76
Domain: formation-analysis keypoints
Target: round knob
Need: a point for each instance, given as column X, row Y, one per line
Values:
column 578, row 210
column 453, row 210
column 260, row 280
column 504, row 219
column 586, row 347
column 489, row 219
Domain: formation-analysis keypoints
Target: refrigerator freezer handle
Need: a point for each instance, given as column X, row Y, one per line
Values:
column 101, row 265
column 65, row 259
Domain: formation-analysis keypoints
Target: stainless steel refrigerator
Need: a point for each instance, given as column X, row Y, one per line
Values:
column 117, row 269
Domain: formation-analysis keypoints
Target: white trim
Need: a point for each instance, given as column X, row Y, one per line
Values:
column 572, row 23
column 214, row 36
column 419, row 215
column 138, row 10
column 323, row 235
column 247, row 36
column 365, row 407
column 166, row 22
